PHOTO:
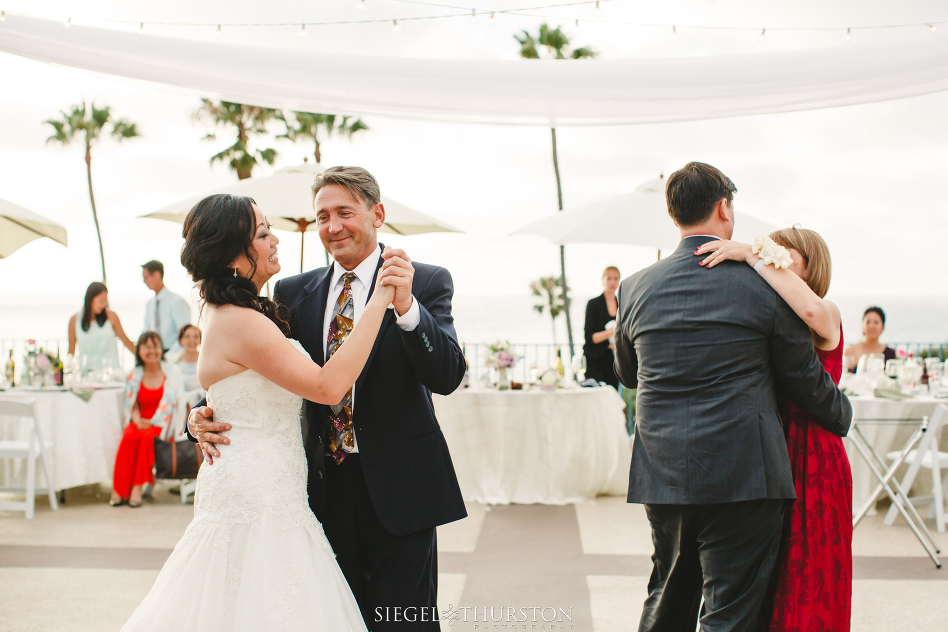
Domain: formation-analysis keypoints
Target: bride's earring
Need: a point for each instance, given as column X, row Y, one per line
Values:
column 235, row 272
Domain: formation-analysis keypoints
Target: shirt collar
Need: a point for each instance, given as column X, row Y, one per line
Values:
column 364, row 271
column 708, row 236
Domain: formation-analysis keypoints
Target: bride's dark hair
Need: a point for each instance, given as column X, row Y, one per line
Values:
column 216, row 231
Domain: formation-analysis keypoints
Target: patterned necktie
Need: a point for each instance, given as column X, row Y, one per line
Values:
column 341, row 441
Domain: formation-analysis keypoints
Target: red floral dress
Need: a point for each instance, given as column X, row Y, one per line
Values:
column 814, row 578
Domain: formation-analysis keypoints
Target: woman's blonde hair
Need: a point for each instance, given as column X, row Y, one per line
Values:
column 815, row 253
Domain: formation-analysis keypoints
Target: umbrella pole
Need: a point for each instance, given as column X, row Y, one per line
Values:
column 302, row 249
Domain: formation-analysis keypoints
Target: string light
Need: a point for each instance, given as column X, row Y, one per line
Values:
column 674, row 33
column 218, row 33
column 141, row 28
column 361, row 5
column 597, row 12
column 302, row 30
column 576, row 26
column 849, row 34
column 490, row 20
column 3, row 16
column 932, row 28
column 763, row 34
column 67, row 23
column 473, row 16
column 395, row 27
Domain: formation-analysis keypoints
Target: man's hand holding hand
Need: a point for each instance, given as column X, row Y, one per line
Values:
column 202, row 427
column 398, row 272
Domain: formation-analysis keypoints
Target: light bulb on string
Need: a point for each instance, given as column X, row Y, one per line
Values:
column 597, row 12
column 473, row 16
column 849, row 35
column 576, row 26
column 395, row 27
column 932, row 28
column 67, row 23
column 141, row 28
column 302, row 30
column 674, row 33
column 490, row 20
column 3, row 16
column 361, row 5
column 218, row 32
column 762, row 36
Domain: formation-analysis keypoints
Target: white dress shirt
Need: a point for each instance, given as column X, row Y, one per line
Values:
column 365, row 272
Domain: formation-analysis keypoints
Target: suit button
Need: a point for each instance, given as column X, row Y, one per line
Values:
column 430, row 350
column 320, row 441
column 320, row 475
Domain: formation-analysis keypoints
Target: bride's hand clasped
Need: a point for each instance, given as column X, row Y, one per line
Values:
column 724, row 250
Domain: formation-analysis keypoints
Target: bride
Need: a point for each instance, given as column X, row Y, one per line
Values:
column 255, row 558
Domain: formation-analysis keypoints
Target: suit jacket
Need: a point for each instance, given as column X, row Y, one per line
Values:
column 405, row 459
column 707, row 349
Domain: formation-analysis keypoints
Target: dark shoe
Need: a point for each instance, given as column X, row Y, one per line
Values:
column 119, row 502
column 176, row 490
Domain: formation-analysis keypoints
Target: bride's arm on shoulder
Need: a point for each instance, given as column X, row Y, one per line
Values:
column 258, row 344
column 822, row 316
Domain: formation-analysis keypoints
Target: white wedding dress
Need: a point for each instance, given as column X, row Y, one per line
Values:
column 254, row 559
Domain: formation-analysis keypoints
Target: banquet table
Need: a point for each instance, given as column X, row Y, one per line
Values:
column 536, row 446
column 887, row 438
column 84, row 436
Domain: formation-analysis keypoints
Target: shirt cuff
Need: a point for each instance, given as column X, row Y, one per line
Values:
column 410, row 319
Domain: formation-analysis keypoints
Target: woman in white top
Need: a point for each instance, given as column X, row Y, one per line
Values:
column 92, row 332
column 190, row 339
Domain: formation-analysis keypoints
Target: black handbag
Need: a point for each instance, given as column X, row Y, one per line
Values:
column 177, row 459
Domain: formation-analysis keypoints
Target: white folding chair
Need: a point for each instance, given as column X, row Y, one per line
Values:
column 927, row 456
column 31, row 448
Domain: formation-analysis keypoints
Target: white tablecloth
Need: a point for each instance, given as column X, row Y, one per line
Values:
column 85, row 437
column 886, row 438
column 535, row 446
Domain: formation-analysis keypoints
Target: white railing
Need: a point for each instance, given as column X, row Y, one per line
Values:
column 531, row 360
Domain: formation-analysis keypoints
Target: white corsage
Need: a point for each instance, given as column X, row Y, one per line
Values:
column 771, row 253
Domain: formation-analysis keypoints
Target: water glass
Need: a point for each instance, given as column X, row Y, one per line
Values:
column 893, row 368
column 579, row 367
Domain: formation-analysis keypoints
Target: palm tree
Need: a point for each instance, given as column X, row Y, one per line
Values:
column 552, row 298
column 249, row 120
column 88, row 125
column 555, row 44
column 308, row 126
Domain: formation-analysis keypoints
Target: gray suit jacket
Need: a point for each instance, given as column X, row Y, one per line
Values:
column 707, row 350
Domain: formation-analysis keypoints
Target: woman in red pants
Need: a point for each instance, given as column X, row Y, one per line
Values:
column 151, row 397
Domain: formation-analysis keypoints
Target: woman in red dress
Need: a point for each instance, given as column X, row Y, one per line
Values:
column 813, row 578
column 151, row 398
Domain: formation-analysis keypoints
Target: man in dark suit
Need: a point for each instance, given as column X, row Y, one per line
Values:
column 380, row 474
column 709, row 461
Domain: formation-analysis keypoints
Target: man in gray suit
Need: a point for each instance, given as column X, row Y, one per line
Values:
column 707, row 351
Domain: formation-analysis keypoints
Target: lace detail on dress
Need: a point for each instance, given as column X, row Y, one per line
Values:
column 263, row 470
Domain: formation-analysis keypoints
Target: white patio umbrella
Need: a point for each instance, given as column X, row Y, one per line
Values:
column 287, row 200
column 639, row 218
column 19, row 227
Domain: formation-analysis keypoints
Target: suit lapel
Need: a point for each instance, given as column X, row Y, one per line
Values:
column 311, row 314
column 387, row 320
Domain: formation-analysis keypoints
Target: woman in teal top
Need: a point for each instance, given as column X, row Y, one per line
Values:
column 92, row 332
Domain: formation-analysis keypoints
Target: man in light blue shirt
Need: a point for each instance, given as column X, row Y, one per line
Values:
column 166, row 312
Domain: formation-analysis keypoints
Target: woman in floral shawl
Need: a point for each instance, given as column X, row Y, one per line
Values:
column 152, row 392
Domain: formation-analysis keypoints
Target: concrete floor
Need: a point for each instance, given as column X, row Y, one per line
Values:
column 87, row 566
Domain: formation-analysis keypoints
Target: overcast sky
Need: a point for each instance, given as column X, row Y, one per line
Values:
column 869, row 178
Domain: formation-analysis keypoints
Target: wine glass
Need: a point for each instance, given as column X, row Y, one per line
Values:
column 579, row 367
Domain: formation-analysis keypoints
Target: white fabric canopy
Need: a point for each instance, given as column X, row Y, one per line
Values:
column 524, row 92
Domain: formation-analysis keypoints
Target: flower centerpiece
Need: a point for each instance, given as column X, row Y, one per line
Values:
column 499, row 357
